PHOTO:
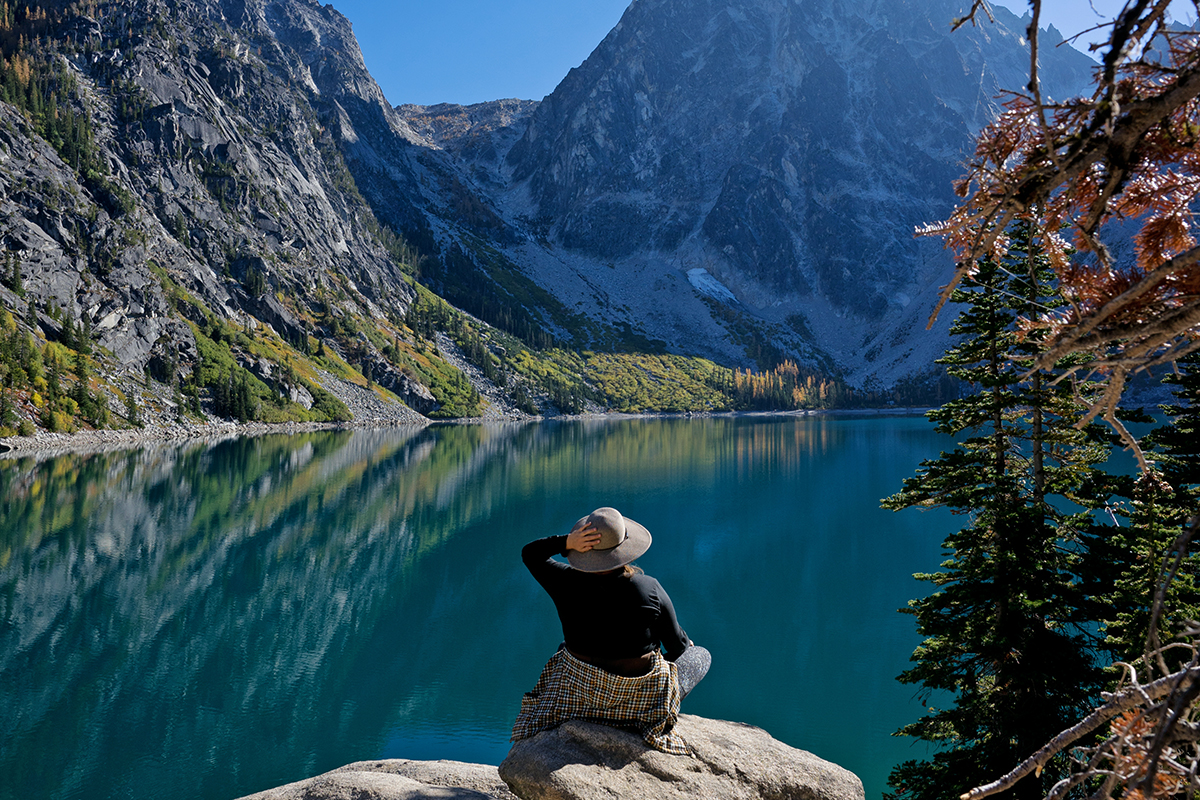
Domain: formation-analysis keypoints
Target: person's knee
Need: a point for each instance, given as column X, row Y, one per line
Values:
column 692, row 666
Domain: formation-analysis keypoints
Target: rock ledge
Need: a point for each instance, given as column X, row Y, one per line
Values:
column 397, row 779
column 582, row 761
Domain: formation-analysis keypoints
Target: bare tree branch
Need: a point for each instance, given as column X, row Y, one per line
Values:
column 1125, row 701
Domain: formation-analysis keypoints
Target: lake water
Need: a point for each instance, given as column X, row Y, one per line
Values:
column 210, row 620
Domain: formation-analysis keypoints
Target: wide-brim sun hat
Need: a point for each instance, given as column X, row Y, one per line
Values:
column 621, row 541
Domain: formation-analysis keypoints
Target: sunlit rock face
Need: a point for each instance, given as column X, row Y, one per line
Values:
column 213, row 165
column 788, row 147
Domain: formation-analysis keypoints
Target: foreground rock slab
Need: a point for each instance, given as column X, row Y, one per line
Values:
column 732, row 761
column 397, row 779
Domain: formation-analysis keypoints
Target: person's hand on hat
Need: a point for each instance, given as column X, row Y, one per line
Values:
column 583, row 537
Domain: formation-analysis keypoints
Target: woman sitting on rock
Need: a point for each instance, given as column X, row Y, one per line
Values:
column 615, row 618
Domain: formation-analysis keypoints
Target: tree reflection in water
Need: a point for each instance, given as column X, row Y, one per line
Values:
column 208, row 620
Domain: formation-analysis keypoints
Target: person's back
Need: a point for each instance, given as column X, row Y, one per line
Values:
column 615, row 619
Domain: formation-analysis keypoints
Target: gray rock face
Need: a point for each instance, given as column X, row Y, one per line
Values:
column 397, row 779
column 582, row 761
column 790, row 148
column 70, row 251
column 470, row 131
column 215, row 173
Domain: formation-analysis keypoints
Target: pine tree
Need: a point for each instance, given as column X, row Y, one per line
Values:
column 1004, row 630
column 80, row 393
column 69, row 338
column 54, row 379
column 1126, row 556
column 220, row 395
column 7, row 415
column 83, row 338
column 131, row 409
column 1178, row 442
column 15, row 281
column 28, row 357
column 244, row 401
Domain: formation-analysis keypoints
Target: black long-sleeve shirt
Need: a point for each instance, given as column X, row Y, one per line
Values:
column 605, row 616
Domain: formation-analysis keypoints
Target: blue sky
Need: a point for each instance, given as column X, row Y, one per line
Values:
column 470, row 51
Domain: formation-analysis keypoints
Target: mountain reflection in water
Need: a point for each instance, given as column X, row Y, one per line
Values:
column 209, row 620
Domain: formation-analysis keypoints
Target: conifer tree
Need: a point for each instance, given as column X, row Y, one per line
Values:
column 68, row 331
column 1002, row 629
column 1123, row 569
column 54, row 379
column 131, row 409
column 7, row 415
column 1125, row 556
column 15, row 281
column 80, row 393
column 1178, row 443
column 83, row 338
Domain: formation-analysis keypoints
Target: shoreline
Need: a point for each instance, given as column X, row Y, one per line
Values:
column 46, row 444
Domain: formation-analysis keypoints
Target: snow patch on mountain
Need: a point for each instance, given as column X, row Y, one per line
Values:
column 708, row 285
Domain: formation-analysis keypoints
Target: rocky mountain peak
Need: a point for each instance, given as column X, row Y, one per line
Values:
column 788, row 147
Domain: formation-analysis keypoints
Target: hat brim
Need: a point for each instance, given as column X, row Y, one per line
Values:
column 637, row 542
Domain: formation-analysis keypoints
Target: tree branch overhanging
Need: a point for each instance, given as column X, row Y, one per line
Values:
column 1083, row 167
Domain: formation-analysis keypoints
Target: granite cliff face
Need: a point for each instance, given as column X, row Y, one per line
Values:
column 211, row 188
column 772, row 151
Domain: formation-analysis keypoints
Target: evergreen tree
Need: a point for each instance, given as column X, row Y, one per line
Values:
column 7, row 415
column 1125, row 558
column 83, row 339
column 1004, row 630
column 15, row 281
column 232, row 397
column 69, row 338
column 26, row 358
column 1178, row 442
column 1124, row 563
column 53, row 379
column 97, row 412
column 245, row 408
column 80, row 393
column 131, row 409
column 220, row 396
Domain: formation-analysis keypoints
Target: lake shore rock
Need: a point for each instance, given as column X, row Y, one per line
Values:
column 730, row 760
column 583, row 761
column 397, row 779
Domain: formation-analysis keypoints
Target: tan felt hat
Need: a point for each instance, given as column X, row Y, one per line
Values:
column 621, row 540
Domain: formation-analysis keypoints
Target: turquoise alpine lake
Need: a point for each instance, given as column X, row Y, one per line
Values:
column 209, row 620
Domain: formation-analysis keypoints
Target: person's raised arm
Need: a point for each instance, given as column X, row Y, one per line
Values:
column 538, row 554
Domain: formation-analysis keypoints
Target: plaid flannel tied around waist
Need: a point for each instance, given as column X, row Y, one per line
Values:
column 570, row 689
